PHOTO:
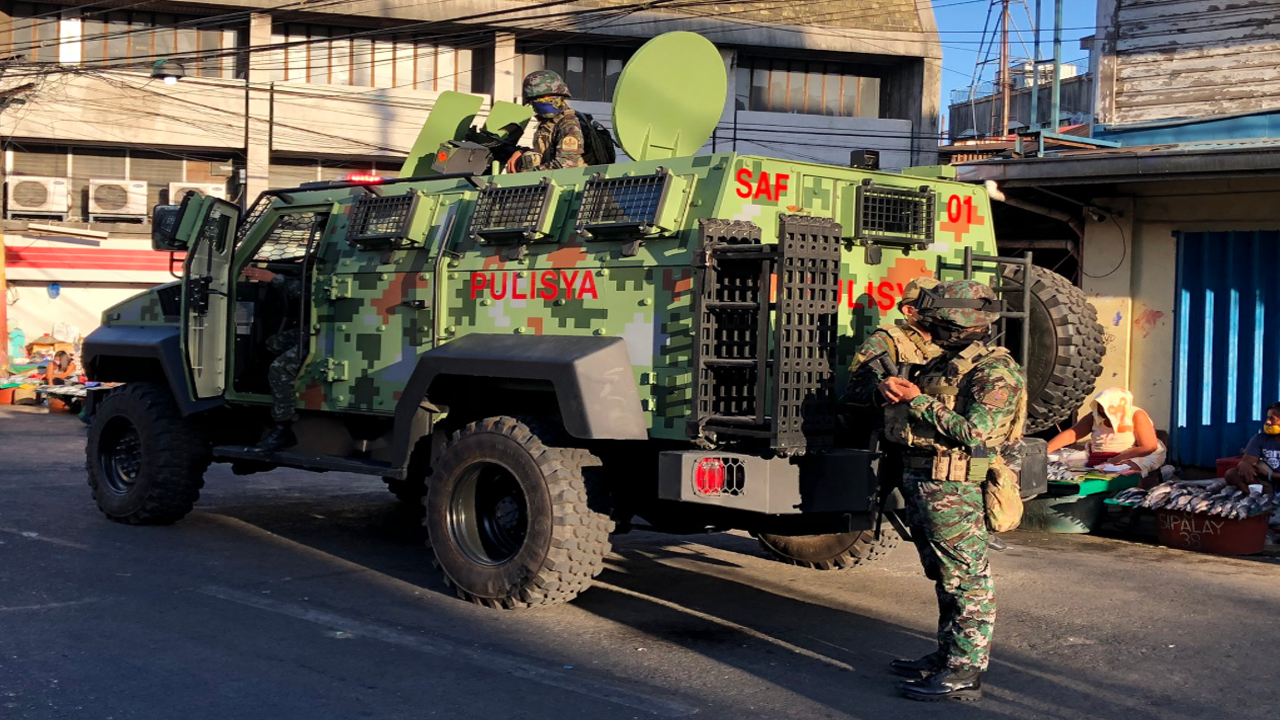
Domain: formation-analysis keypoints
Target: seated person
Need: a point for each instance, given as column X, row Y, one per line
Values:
column 61, row 369
column 1119, row 432
column 1261, row 461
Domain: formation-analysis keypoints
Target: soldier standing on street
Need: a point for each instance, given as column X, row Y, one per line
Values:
column 558, row 141
column 283, row 373
column 949, row 420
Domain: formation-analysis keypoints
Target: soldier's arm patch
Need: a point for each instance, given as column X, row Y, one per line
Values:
column 571, row 143
column 996, row 397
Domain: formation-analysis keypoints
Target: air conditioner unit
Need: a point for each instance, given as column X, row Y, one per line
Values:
column 177, row 191
column 116, row 199
column 30, row 195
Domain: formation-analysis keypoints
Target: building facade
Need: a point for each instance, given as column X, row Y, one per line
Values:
column 1180, row 226
column 279, row 94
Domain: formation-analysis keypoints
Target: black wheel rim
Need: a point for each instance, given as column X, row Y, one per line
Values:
column 488, row 514
column 120, row 455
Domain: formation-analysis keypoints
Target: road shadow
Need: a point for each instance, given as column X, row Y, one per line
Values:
column 734, row 612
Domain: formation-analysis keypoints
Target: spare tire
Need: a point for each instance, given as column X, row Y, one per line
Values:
column 1065, row 350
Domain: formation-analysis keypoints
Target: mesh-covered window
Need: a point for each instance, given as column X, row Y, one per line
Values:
column 510, row 212
column 375, row 219
column 894, row 215
column 288, row 237
column 630, row 202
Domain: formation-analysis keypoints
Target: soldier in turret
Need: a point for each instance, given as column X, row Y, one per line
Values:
column 948, row 420
column 558, row 140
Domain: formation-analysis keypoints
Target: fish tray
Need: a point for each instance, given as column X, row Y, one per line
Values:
column 1210, row 533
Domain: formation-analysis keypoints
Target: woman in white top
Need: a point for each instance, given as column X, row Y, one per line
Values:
column 1119, row 432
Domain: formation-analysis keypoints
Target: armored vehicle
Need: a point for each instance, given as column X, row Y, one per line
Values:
column 542, row 358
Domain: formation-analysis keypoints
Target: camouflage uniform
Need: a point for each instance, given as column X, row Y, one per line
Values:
column 283, row 373
column 558, row 141
column 972, row 396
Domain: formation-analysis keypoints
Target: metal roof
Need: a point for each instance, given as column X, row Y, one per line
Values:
column 1130, row 164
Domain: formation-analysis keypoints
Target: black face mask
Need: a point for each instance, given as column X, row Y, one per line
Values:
column 952, row 336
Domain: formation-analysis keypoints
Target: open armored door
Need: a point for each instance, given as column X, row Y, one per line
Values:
column 205, row 285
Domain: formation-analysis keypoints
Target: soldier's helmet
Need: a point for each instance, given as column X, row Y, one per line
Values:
column 541, row 83
column 912, row 292
column 961, row 303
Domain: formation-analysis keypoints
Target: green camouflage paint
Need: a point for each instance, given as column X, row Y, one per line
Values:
column 373, row 312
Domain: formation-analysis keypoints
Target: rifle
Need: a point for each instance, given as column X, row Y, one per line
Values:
column 890, row 465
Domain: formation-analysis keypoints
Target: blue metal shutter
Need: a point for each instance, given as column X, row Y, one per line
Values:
column 1227, row 364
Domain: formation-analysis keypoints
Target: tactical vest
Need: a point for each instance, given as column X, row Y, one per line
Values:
column 910, row 349
column 942, row 381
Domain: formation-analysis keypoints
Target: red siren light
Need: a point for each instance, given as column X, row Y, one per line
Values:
column 363, row 178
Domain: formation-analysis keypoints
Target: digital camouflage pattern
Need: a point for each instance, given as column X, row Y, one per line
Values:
column 372, row 313
column 902, row 343
column 949, row 530
column 557, row 143
column 541, row 83
column 282, row 375
column 963, row 317
column 971, row 398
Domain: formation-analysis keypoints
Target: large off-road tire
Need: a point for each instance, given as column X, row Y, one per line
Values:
column 145, row 462
column 833, row 551
column 513, row 522
column 1065, row 353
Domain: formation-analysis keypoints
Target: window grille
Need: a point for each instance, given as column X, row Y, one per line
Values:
column 897, row 216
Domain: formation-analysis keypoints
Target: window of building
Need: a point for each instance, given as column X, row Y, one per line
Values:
column 590, row 71
column 808, row 88
column 136, row 40
column 32, row 32
column 330, row 56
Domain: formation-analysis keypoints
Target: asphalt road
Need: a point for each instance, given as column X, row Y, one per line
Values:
column 296, row 595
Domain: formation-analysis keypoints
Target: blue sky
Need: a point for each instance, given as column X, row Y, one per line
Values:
column 960, row 24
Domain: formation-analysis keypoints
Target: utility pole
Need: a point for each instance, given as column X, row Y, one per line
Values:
column 7, row 97
column 1005, row 81
column 1035, row 73
column 1056, row 101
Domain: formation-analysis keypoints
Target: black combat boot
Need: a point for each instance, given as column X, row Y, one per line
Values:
column 964, row 685
column 278, row 438
column 916, row 669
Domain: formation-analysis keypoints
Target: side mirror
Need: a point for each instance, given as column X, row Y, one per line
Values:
column 164, row 228
column 174, row 227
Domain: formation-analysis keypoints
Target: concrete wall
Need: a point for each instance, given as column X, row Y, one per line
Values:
column 78, row 305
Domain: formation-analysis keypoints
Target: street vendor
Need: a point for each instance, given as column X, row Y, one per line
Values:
column 1119, row 434
column 61, row 369
column 1260, row 463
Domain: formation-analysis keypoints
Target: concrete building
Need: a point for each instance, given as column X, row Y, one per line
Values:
column 278, row 94
column 975, row 111
column 1177, row 230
